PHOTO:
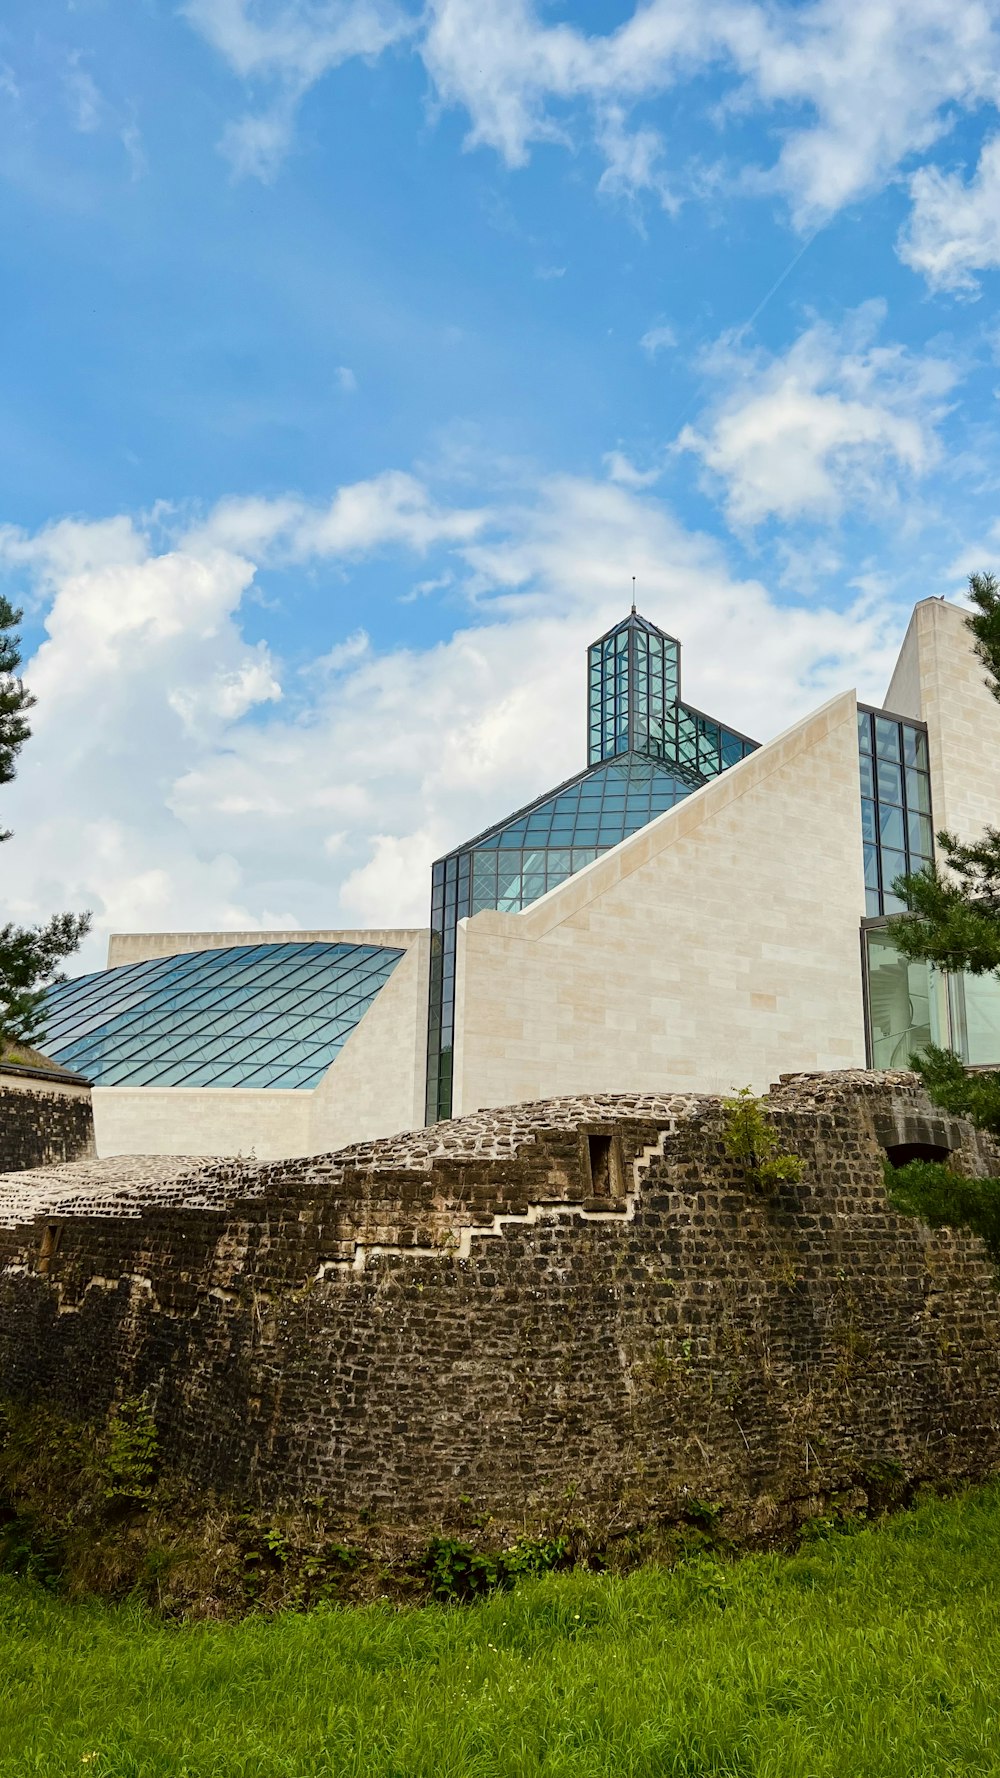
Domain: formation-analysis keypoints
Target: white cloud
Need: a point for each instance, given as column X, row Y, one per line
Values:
column 256, row 145
column 634, row 160
column 881, row 80
column 658, row 339
column 295, row 40
column 876, row 83
column 954, row 228
column 130, row 137
column 170, row 785
column 86, row 103
column 392, row 508
column 837, row 417
column 347, row 382
column 854, row 89
column 287, row 46
column 621, row 469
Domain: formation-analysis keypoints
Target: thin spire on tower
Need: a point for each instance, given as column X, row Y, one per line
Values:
column 633, row 595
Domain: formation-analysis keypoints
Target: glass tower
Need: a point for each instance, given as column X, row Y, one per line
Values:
column 646, row 752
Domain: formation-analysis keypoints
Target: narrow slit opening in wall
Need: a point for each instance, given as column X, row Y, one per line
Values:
column 899, row 1153
column 603, row 1170
column 49, row 1244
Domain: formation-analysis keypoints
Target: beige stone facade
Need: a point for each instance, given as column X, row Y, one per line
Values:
column 718, row 947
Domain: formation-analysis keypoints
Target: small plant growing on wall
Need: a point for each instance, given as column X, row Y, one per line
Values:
column 754, row 1144
column 130, row 1451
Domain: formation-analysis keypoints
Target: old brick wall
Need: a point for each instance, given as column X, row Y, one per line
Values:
column 462, row 1317
column 42, row 1120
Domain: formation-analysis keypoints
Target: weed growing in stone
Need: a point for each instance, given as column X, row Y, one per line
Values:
column 754, row 1144
column 129, row 1450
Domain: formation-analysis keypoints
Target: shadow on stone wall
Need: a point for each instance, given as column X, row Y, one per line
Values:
column 575, row 1309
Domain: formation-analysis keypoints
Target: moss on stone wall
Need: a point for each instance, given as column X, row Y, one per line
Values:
column 449, row 1336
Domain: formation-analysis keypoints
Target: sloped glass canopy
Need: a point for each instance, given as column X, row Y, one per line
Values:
column 250, row 1016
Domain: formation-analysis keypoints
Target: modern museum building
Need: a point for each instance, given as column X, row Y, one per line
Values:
column 692, row 911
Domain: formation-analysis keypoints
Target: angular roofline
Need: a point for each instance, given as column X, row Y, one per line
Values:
column 586, row 884
column 638, row 622
column 693, row 710
column 141, row 947
column 600, row 765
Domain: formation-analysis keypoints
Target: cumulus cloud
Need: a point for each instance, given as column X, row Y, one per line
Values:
column 954, row 228
column 837, row 417
column 878, row 83
column 391, row 508
column 181, row 776
column 859, row 88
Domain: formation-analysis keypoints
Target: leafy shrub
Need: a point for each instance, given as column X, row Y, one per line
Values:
column 975, row 1096
column 754, row 1144
column 458, row 1572
column 943, row 1199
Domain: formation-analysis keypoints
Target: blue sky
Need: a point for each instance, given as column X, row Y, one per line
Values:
column 357, row 353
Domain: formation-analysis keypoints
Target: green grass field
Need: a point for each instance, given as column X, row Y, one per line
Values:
column 876, row 1653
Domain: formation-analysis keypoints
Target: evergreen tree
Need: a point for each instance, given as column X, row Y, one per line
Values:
column 15, row 700
column 29, row 956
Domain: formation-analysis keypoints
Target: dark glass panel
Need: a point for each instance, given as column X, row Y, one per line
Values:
column 890, row 823
column 893, row 866
column 864, row 731
column 915, row 746
column 920, row 835
column 887, row 739
column 918, row 791
column 890, row 782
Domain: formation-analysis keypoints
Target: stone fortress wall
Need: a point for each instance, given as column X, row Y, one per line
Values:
column 580, row 1300
column 46, row 1116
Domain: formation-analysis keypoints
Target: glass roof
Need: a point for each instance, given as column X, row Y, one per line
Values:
column 249, row 1016
column 601, row 807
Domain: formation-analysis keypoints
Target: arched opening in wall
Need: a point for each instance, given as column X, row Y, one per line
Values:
column 899, row 1153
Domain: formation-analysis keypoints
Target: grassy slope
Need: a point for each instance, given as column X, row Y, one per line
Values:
column 869, row 1654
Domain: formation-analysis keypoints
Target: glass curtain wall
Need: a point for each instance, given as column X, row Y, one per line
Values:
column 897, row 829
column 907, row 1002
column 974, row 1007
column 633, row 683
column 912, row 1004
